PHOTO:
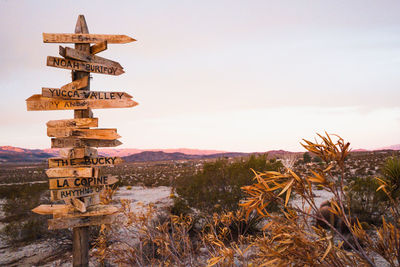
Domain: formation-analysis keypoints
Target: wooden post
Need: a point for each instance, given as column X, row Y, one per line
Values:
column 80, row 243
column 80, row 246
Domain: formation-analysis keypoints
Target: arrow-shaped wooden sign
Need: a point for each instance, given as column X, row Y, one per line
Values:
column 68, row 52
column 82, row 38
column 72, row 193
column 73, row 123
column 68, row 210
column 66, row 183
column 77, row 84
column 98, row 47
column 73, row 142
column 73, row 172
column 81, row 162
column 50, row 209
column 70, row 64
column 80, row 94
column 103, row 134
column 38, row 102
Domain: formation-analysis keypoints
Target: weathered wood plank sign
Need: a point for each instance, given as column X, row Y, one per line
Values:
column 62, row 223
column 68, row 52
column 70, row 64
column 73, row 172
column 94, row 210
column 38, row 102
column 74, row 142
column 75, row 176
column 77, row 84
column 103, row 134
column 50, row 209
column 78, row 152
column 73, row 123
column 98, row 47
column 71, row 193
column 77, row 94
column 86, row 38
column 86, row 161
column 63, row 183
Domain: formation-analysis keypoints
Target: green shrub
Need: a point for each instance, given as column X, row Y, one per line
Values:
column 364, row 201
column 391, row 174
column 25, row 231
column 217, row 186
column 306, row 157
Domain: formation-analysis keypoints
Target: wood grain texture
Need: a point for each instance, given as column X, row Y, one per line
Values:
column 76, row 65
column 79, row 94
column 78, row 152
column 38, row 102
column 74, row 142
column 103, row 134
column 98, row 47
column 79, row 38
column 81, row 27
column 77, row 84
column 94, row 210
column 68, row 52
column 73, row 172
column 73, row 123
column 63, row 223
column 78, row 205
column 74, row 192
column 80, row 243
column 50, row 209
column 67, row 183
column 82, row 162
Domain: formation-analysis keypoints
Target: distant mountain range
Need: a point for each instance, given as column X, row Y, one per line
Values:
column 162, row 156
column 16, row 154
column 10, row 154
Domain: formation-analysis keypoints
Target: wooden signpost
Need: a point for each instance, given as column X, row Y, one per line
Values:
column 75, row 177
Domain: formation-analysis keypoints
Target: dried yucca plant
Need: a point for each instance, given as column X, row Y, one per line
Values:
column 291, row 238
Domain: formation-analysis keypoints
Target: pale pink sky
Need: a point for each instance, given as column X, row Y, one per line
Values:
column 227, row 75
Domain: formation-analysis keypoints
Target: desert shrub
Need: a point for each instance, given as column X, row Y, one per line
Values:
column 152, row 238
column 180, row 206
column 217, row 186
column 231, row 226
column 21, row 225
column 306, row 157
column 364, row 201
column 25, row 230
column 317, row 159
column 391, row 174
